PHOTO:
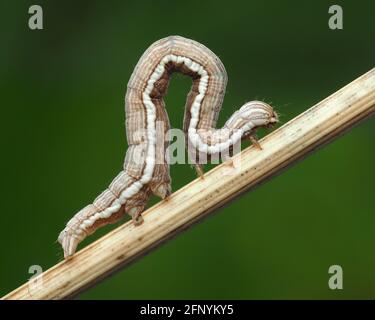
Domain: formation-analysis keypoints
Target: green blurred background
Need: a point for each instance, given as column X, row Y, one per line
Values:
column 63, row 140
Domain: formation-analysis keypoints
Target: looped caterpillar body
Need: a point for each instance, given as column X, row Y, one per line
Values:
column 142, row 174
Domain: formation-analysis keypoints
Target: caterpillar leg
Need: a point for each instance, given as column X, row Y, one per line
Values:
column 199, row 170
column 254, row 140
column 160, row 183
column 136, row 205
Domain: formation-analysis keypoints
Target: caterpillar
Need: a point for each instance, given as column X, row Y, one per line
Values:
column 142, row 174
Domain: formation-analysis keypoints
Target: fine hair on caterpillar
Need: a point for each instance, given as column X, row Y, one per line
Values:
column 146, row 165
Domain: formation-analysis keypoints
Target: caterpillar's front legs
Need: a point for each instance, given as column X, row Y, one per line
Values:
column 199, row 170
column 254, row 140
column 241, row 125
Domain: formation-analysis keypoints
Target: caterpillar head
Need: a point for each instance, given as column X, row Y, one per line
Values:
column 252, row 115
column 258, row 114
